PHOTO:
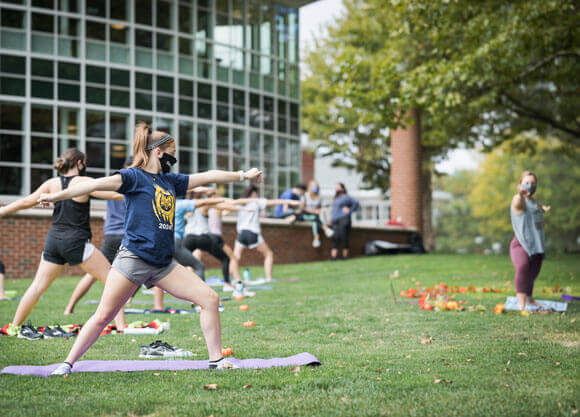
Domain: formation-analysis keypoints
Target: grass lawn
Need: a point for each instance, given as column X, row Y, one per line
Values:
column 373, row 360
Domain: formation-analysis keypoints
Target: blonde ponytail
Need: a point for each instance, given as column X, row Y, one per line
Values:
column 140, row 152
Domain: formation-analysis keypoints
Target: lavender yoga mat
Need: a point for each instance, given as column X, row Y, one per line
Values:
column 302, row 359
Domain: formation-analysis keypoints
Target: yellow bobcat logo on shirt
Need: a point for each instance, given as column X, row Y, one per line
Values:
column 164, row 207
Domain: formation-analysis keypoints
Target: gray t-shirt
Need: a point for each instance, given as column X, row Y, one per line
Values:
column 529, row 228
column 312, row 203
column 250, row 220
column 197, row 224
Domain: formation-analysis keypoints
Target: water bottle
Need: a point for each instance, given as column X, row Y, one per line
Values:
column 239, row 289
column 247, row 275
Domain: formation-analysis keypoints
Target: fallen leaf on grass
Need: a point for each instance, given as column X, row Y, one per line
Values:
column 332, row 334
column 379, row 378
column 133, row 340
column 156, row 374
column 210, row 386
column 558, row 363
column 65, row 376
column 295, row 369
column 506, row 386
column 522, row 354
column 438, row 380
column 573, row 321
column 425, row 341
column 344, row 399
column 470, row 360
column 247, row 386
column 379, row 370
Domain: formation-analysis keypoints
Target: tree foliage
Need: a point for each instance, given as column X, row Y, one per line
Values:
column 480, row 72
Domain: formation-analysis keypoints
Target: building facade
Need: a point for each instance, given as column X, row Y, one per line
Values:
column 220, row 75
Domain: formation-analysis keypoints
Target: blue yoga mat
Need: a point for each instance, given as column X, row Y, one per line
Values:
column 512, row 305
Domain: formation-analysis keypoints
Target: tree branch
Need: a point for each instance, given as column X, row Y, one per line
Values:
column 531, row 113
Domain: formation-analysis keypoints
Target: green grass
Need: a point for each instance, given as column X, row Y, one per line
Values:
column 343, row 313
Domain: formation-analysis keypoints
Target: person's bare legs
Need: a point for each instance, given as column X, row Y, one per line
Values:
column 345, row 253
column 198, row 254
column 98, row 266
column 157, row 298
column 45, row 275
column 81, row 289
column 234, row 265
column 521, row 296
column 117, row 290
column 2, row 295
column 265, row 250
column 333, row 253
column 183, row 284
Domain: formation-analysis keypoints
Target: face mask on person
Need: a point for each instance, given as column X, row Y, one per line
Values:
column 314, row 189
column 167, row 161
column 530, row 188
column 339, row 193
column 83, row 170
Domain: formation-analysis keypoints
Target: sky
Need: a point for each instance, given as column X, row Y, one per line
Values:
column 314, row 17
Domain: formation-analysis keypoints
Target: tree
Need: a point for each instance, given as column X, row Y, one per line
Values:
column 480, row 72
column 558, row 170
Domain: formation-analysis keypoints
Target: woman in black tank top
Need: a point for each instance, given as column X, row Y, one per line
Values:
column 67, row 241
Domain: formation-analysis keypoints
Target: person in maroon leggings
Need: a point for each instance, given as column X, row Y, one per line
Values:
column 527, row 249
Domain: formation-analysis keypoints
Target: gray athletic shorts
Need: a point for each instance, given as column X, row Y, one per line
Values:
column 137, row 270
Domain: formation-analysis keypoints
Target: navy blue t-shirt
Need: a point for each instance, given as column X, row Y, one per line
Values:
column 150, row 216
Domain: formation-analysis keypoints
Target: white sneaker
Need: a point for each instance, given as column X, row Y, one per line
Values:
column 328, row 232
column 228, row 288
column 316, row 243
column 221, row 365
column 63, row 369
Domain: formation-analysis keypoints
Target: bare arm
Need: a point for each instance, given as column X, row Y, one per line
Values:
column 519, row 203
column 292, row 203
column 111, row 183
column 208, row 201
column 108, row 195
column 26, row 202
column 222, row 177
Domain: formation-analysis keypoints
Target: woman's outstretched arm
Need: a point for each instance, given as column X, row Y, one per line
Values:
column 26, row 202
column 222, row 177
column 112, row 183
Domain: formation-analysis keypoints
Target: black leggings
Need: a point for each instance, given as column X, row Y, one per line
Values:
column 185, row 258
column 213, row 246
column 341, row 229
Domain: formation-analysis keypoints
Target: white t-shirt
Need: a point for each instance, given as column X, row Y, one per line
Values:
column 250, row 220
column 197, row 224
column 311, row 203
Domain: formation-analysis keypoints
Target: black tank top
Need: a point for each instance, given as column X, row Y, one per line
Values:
column 70, row 219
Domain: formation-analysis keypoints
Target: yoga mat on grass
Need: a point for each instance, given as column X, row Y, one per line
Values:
column 302, row 359
column 511, row 304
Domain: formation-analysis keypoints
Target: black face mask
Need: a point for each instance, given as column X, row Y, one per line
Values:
column 338, row 193
column 167, row 161
column 83, row 170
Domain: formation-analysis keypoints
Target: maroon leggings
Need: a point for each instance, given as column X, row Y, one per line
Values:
column 527, row 268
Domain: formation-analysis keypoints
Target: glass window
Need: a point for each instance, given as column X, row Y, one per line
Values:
column 68, row 26
column 203, row 24
column 143, row 101
column 68, row 71
column 41, row 150
column 13, row 18
column 42, row 89
column 11, row 148
column 223, row 162
column 96, row 74
column 68, row 122
column 164, row 42
column 294, row 110
column 95, row 125
column 165, row 104
column 42, row 22
column 119, row 34
column 204, row 91
column 13, row 64
column 119, row 126
column 96, row 95
column 186, row 88
column 38, row 176
column 143, row 81
column 11, row 116
column 120, row 98
column 118, row 9
column 95, row 30
column 11, row 180
column 186, row 107
column 96, row 8
column 96, row 154
column 222, row 139
column 185, row 46
column 66, row 143
column 41, row 120
column 144, row 38
column 185, row 19
column 223, row 113
column 185, row 161
column 69, row 92
column 119, row 77
column 203, row 110
column 71, row 6
column 185, row 133
column 204, row 137
column 41, row 67
column 203, row 162
column 118, row 154
column 165, row 84
column 164, row 14
column 255, row 149
column 239, row 98
column 223, row 95
column 12, row 86
column 238, row 142
column 143, row 12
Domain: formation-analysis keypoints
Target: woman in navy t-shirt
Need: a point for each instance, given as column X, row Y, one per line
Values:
column 146, row 254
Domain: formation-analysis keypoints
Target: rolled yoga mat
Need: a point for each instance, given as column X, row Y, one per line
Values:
column 302, row 359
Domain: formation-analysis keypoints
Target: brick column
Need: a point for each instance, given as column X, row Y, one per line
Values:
column 307, row 166
column 406, row 201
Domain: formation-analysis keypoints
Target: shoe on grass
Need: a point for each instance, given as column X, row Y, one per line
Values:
column 221, row 364
column 28, row 332
column 64, row 368
column 10, row 330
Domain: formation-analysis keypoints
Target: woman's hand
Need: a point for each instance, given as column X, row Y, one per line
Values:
column 523, row 192
column 253, row 173
column 346, row 210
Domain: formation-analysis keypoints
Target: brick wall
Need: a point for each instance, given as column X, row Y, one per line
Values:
column 406, row 183
column 307, row 166
column 22, row 240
